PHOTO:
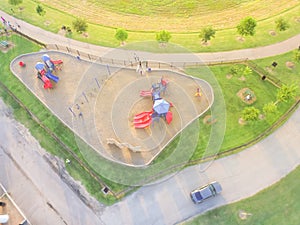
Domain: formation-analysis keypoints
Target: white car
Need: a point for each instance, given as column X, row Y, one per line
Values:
column 202, row 193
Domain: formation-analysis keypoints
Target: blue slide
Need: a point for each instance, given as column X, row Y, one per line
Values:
column 52, row 77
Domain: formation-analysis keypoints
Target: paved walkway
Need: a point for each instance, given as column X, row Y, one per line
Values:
column 168, row 202
column 254, row 53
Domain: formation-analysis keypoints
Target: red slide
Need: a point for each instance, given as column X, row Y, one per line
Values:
column 144, row 124
column 142, row 120
column 47, row 83
column 145, row 93
column 142, row 114
column 57, row 62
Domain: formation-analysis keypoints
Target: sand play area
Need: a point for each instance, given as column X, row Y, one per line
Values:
column 99, row 103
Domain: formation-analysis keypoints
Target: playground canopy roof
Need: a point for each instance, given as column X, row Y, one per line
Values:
column 161, row 106
column 39, row 66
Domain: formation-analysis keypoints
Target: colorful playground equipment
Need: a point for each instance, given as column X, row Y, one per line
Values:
column 160, row 106
column 44, row 70
column 143, row 119
column 51, row 64
column 198, row 93
column 45, row 75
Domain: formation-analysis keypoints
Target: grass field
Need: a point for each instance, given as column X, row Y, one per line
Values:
column 175, row 16
column 278, row 204
column 232, row 138
column 184, row 32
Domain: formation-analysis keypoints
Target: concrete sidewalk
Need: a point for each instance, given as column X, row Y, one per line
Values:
column 254, row 53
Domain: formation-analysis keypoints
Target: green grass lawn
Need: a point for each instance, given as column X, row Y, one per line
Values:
column 226, row 37
column 281, row 71
column 278, row 204
column 111, row 172
column 265, row 92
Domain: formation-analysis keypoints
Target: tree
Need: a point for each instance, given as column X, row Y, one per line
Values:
column 163, row 37
column 80, row 25
column 281, row 24
column 234, row 70
column 247, row 26
column 207, row 33
column 15, row 2
column 121, row 35
column 270, row 108
column 250, row 113
column 286, row 93
column 297, row 55
column 247, row 72
column 40, row 10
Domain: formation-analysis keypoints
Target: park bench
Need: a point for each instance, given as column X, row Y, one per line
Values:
column 4, row 44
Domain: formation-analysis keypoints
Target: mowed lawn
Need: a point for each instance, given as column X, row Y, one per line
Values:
column 278, row 204
column 237, row 134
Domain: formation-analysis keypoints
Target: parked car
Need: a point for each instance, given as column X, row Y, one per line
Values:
column 207, row 191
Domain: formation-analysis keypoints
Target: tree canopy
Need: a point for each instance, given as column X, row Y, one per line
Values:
column 286, row 93
column 281, row 24
column 40, row 10
column 247, row 26
column 15, row 2
column 250, row 113
column 297, row 55
column 163, row 36
column 80, row 25
column 121, row 34
column 207, row 33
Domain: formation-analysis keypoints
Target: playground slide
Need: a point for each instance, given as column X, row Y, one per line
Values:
column 52, row 77
column 142, row 114
column 144, row 124
column 57, row 62
column 142, row 120
column 145, row 93
column 47, row 83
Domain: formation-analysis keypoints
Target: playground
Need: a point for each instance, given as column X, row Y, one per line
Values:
column 127, row 116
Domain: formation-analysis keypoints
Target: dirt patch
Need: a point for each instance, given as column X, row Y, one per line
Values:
column 47, row 23
column 85, row 34
column 290, row 65
column 244, row 215
column 242, row 78
column 247, row 96
column 240, row 39
column 272, row 33
column 209, row 120
column 242, row 121
column 205, row 44
column 297, row 19
column 229, row 76
column 261, row 116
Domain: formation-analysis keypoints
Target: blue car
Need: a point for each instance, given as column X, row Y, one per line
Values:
column 202, row 193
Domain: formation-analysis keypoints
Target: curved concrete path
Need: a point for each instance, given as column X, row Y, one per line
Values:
column 254, row 53
column 168, row 202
